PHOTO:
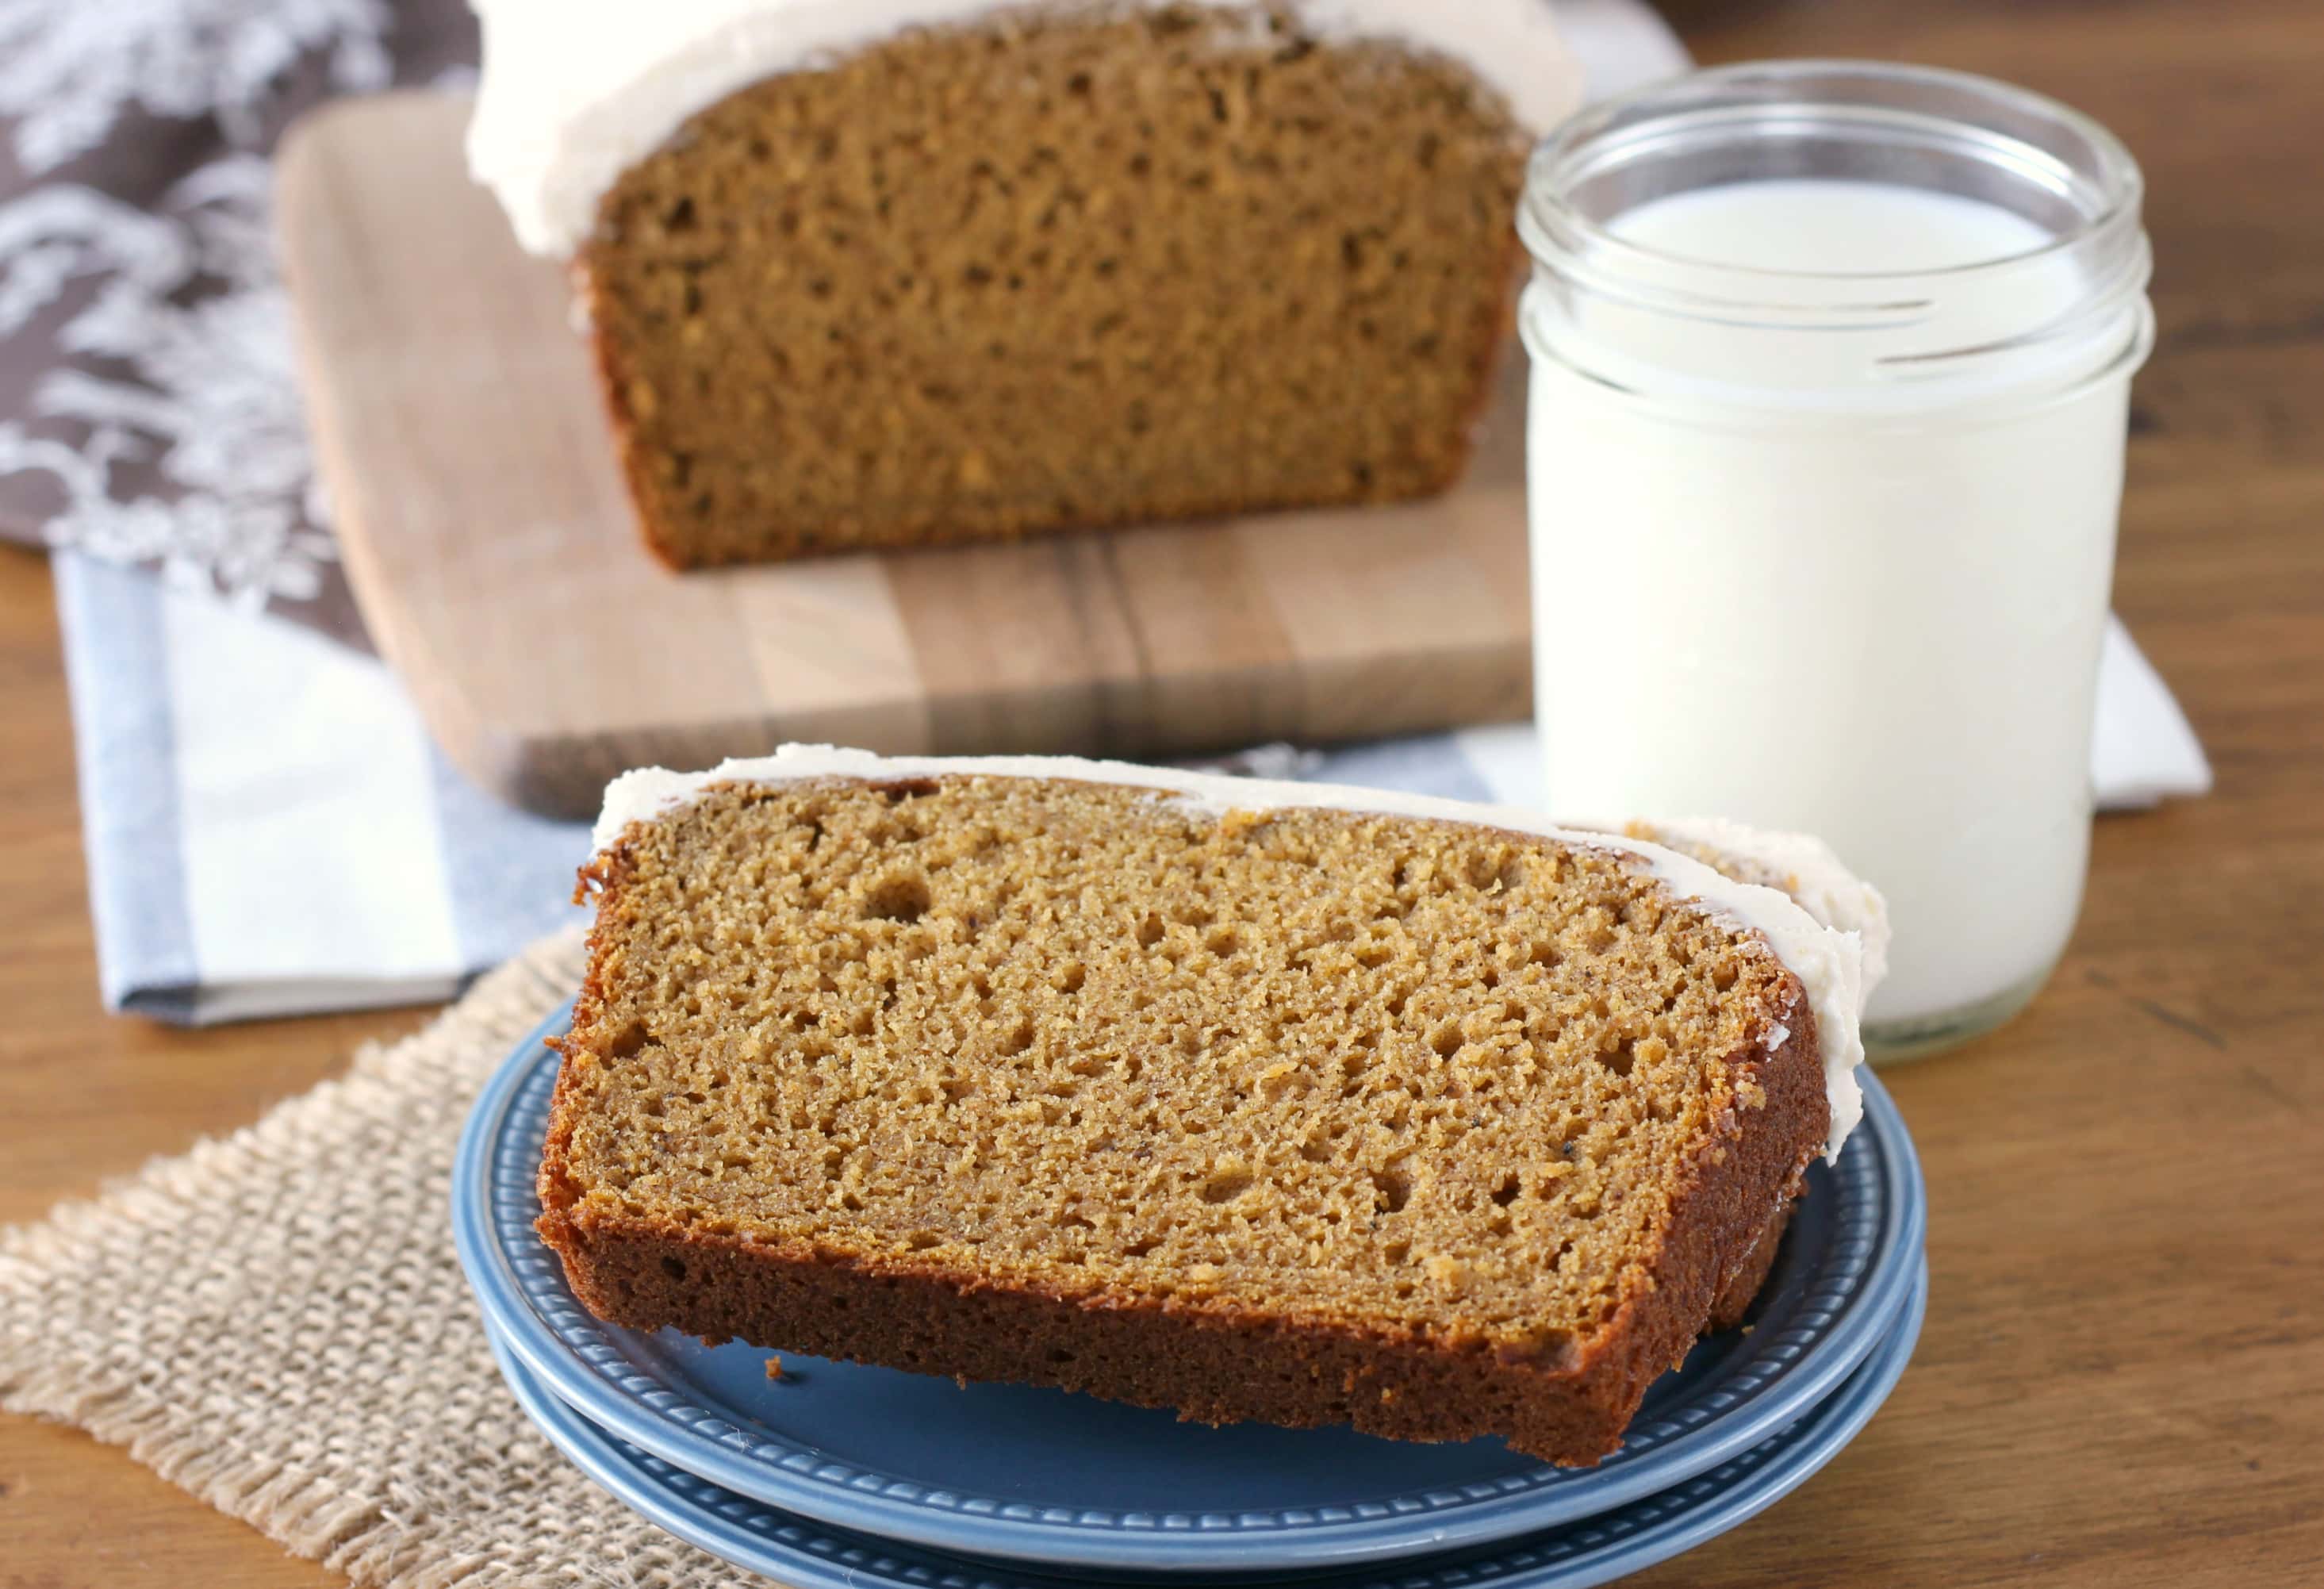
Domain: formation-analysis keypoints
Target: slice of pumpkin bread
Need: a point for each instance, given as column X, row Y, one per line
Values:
column 1255, row 1101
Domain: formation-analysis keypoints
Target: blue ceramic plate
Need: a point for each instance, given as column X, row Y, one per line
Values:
column 1038, row 1475
column 806, row 1556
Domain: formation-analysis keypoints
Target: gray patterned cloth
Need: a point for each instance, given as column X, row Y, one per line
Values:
column 148, row 411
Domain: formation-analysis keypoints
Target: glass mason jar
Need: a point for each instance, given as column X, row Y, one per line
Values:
column 1830, row 382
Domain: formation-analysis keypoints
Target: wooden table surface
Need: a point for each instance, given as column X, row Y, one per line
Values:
column 2122, row 1379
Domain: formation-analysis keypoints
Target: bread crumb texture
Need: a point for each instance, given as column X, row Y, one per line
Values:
column 1358, row 1072
column 1068, row 266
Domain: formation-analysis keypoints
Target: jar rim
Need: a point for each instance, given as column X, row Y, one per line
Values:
column 1597, row 138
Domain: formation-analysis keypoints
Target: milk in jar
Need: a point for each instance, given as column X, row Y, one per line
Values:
column 1825, row 456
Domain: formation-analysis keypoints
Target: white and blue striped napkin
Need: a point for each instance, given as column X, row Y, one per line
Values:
column 270, row 831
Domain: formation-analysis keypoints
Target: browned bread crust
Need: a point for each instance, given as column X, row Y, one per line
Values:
column 1208, row 1355
column 1742, row 1287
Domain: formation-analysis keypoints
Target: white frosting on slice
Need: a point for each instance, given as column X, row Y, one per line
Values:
column 1812, row 874
column 574, row 92
column 1828, row 949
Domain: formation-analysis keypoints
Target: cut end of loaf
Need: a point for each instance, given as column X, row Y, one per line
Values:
column 1309, row 1115
column 1060, row 268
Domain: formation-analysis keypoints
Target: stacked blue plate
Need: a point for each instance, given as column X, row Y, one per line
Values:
column 837, row 1474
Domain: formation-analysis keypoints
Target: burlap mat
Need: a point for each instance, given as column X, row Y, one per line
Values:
column 276, row 1323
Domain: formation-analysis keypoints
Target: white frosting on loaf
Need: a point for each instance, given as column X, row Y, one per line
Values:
column 574, row 92
column 1831, row 939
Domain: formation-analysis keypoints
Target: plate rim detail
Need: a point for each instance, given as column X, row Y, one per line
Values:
column 1576, row 1554
column 586, row 1364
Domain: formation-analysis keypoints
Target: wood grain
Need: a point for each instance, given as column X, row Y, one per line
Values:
column 2122, row 1380
column 84, row 1097
column 487, row 537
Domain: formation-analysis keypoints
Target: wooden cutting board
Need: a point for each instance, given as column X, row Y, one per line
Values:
column 490, row 546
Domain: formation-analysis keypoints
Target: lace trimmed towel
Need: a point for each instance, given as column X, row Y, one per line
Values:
column 276, row 1323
